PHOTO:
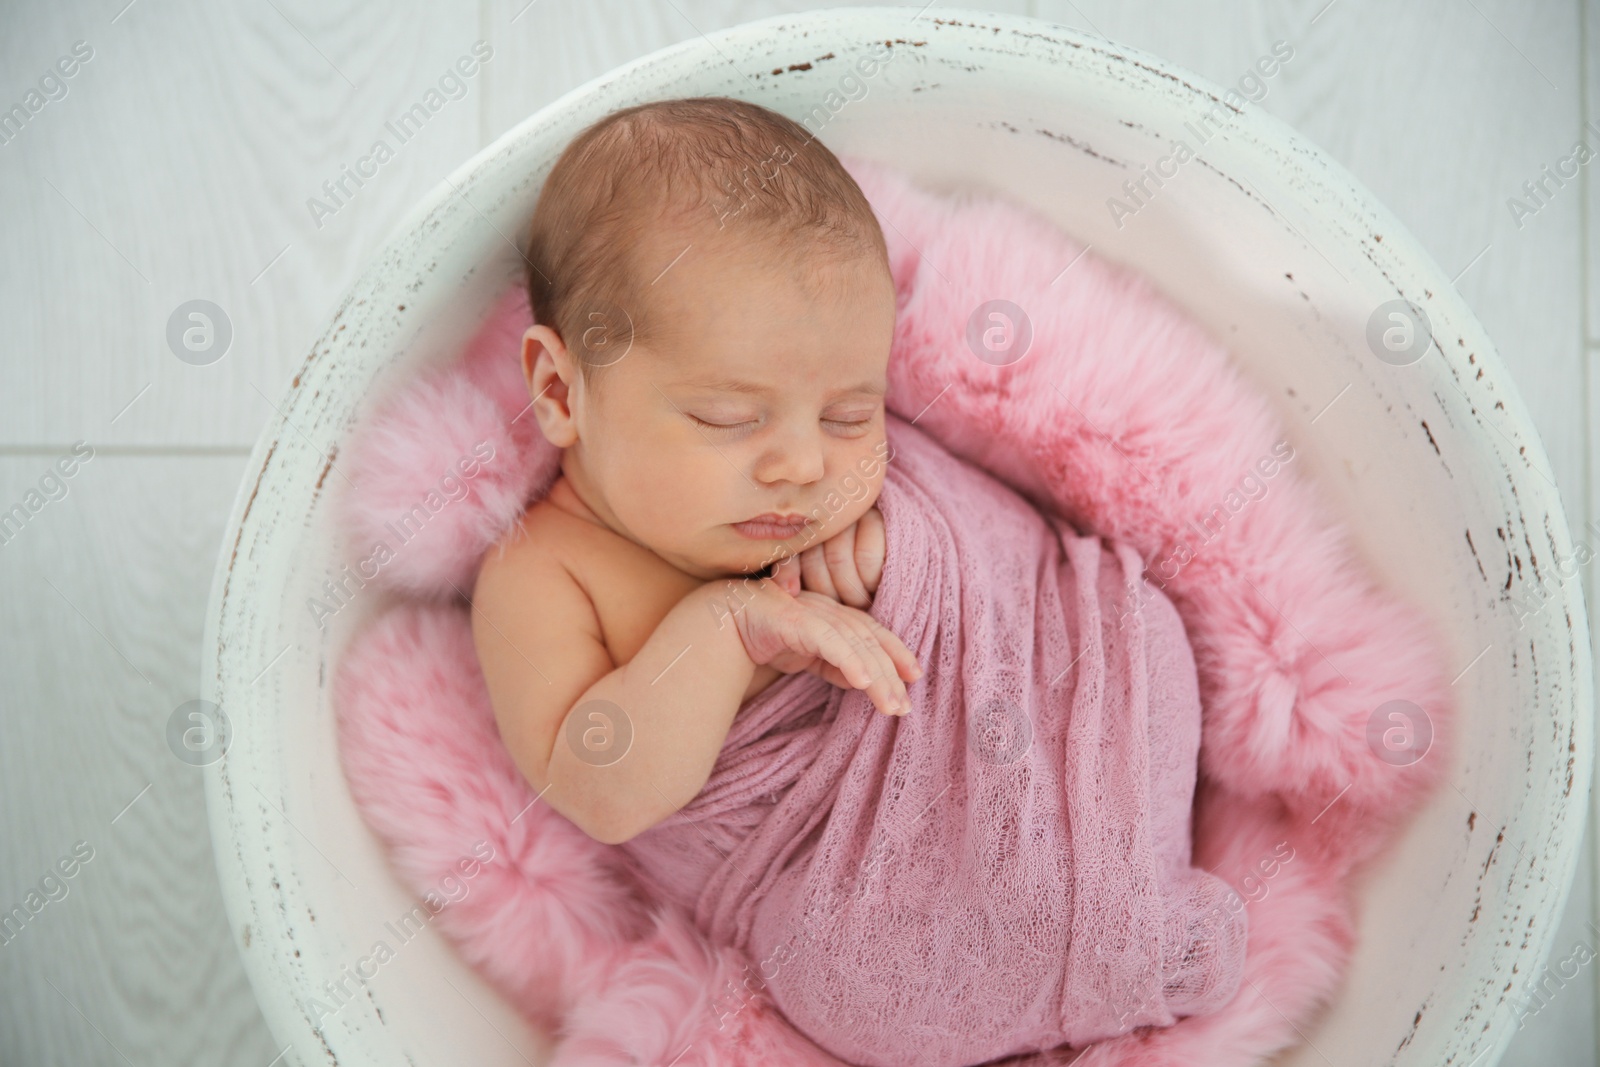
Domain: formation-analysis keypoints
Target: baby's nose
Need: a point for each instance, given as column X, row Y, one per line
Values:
column 796, row 458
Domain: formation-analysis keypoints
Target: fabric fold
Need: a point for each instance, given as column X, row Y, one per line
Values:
column 1004, row 869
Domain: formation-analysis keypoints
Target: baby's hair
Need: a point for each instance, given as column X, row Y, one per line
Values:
column 696, row 161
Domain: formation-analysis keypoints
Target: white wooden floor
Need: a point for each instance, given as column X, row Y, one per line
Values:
column 177, row 166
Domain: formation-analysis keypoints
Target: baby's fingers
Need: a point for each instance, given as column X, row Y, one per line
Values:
column 829, row 673
column 840, row 556
column 861, row 660
column 904, row 661
column 787, row 575
column 814, row 572
column 871, row 547
column 888, row 690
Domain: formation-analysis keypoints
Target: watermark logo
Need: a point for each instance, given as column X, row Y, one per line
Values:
column 53, row 887
column 606, row 337
column 1000, row 733
column 199, row 332
column 198, row 733
column 1532, row 597
column 452, row 888
column 1541, row 189
column 1251, row 86
column 999, row 332
column 1399, row 333
column 1197, row 534
column 1552, row 979
column 451, row 85
column 851, row 87
column 404, row 528
column 53, row 86
column 599, row 732
column 782, row 156
column 1399, row 733
column 52, row 486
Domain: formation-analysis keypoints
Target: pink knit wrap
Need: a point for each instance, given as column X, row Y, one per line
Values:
column 1004, row 869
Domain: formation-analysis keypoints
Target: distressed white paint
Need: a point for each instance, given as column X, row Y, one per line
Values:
column 1222, row 250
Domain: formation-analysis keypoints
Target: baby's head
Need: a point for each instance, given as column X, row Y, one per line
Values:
column 713, row 314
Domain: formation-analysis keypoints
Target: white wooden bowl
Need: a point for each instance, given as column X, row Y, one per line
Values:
column 1435, row 465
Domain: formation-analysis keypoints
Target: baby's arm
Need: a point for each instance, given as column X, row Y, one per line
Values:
column 616, row 749
column 611, row 748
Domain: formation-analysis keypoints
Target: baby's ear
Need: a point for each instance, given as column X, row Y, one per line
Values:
column 535, row 340
column 542, row 358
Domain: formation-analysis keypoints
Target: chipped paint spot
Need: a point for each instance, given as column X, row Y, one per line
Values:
column 326, row 467
column 1474, row 550
column 1431, row 441
column 1081, row 146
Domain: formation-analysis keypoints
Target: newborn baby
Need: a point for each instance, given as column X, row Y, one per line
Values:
column 710, row 353
column 679, row 653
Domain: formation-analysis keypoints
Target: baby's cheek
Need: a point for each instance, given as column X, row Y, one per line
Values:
column 668, row 490
column 855, row 487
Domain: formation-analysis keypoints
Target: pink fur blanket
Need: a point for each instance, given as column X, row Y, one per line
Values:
column 1004, row 869
column 1122, row 418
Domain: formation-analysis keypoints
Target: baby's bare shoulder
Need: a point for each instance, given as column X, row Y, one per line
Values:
column 578, row 575
column 538, row 638
column 540, row 550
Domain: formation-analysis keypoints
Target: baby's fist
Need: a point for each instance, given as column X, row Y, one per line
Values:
column 847, row 566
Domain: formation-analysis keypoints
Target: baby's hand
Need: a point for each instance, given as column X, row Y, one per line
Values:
column 841, row 645
column 846, row 567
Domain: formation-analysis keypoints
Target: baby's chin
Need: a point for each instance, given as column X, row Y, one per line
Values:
column 729, row 554
column 746, row 558
column 753, row 563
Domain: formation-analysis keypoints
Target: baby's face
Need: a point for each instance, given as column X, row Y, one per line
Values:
column 761, row 398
